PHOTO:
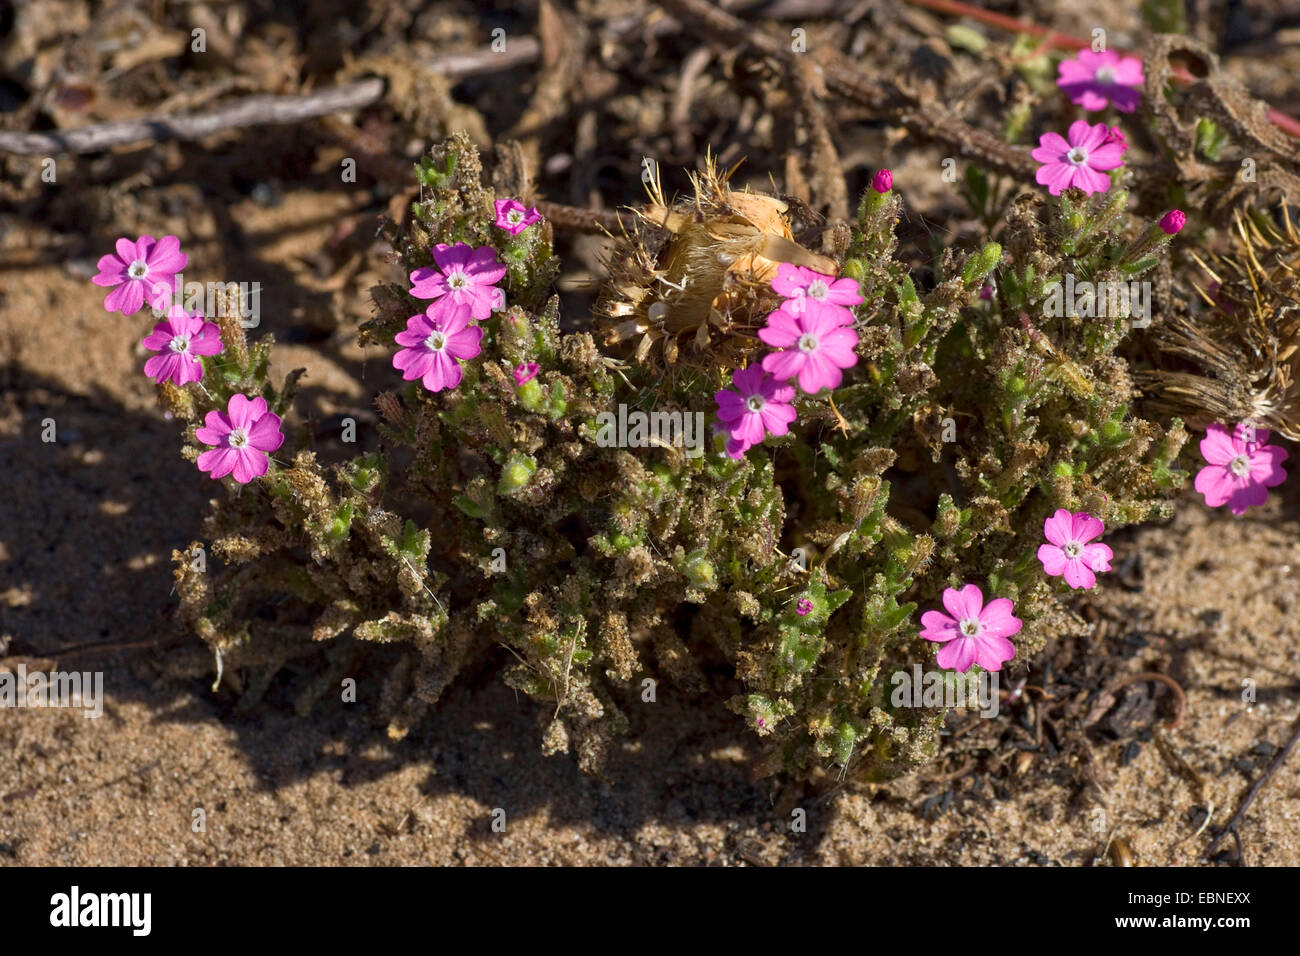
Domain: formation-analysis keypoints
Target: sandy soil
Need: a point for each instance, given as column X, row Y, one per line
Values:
column 91, row 518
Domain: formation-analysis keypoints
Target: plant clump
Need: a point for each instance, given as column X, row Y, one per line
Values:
column 779, row 452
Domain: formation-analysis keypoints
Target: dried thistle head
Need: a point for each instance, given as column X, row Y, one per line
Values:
column 692, row 284
column 1244, row 352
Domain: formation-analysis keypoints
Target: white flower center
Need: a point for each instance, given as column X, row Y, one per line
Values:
column 817, row 289
column 1072, row 549
column 457, row 279
column 436, row 341
column 1240, row 466
column 1106, row 75
column 1077, row 155
column 807, row 342
column 238, row 438
column 514, row 217
column 755, row 403
column 180, row 344
column 970, row 626
column 138, row 269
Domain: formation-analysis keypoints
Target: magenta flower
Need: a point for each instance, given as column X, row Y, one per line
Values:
column 244, row 434
column 804, row 607
column 513, row 217
column 1239, row 472
column 815, row 346
column 1095, row 79
column 1173, row 221
column 463, row 276
column 883, row 182
column 975, row 633
column 526, row 372
column 141, row 271
column 436, row 344
column 1080, row 162
column 800, row 285
column 1116, row 136
column 1069, row 552
column 180, row 339
column 760, row 405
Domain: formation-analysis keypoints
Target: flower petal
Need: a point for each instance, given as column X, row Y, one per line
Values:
column 1218, row 447
column 1248, row 494
column 1054, row 143
column 166, row 257
column 217, row 462
column 1215, row 483
column 1058, row 527
column 1098, row 556
column 265, row 435
column 1053, row 559
column 996, row 618
column 1086, row 527
column 966, row 603
column 1077, row 574
column 465, row 343
column 937, row 626
column 784, row 365
column 957, row 655
column 1266, row 465
column 126, row 298
column 449, row 257
column 992, row 651
column 249, row 464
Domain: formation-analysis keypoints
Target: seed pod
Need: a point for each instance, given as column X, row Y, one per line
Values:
column 692, row 284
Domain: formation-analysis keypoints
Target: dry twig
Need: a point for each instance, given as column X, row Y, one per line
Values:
column 252, row 111
column 1253, row 792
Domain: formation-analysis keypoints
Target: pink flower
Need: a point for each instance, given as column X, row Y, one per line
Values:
column 180, row 338
column 800, row 285
column 1239, row 472
column 244, row 435
column 463, row 276
column 804, row 607
column 1116, row 136
column 526, row 372
column 975, row 633
column 1069, row 552
column 815, row 344
column 760, row 405
column 1173, row 221
column 436, row 344
column 1094, row 79
column 144, row 270
column 1080, row 162
column 883, row 182
column 513, row 218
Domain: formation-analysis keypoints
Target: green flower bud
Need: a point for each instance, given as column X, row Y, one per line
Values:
column 699, row 570
column 978, row 267
column 854, row 269
column 531, row 395
column 517, row 472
